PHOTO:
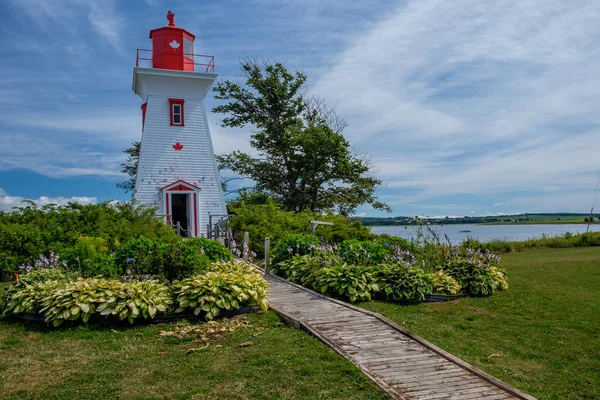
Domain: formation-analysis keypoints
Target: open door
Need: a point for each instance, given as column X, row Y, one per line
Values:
column 181, row 207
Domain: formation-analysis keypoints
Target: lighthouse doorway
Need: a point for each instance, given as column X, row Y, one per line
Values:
column 180, row 211
column 181, row 207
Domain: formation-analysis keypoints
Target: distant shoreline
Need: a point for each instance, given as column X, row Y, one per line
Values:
column 494, row 223
column 517, row 219
column 538, row 223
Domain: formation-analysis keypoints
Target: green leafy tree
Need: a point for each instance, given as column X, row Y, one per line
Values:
column 303, row 159
column 130, row 167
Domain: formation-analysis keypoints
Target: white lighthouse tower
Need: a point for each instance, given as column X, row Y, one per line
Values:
column 177, row 171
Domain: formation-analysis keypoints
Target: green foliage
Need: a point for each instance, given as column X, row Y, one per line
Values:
column 80, row 299
column 394, row 241
column 294, row 244
column 38, row 275
column 89, row 256
column 305, row 270
column 353, row 282
column 214, row 250
column 228, row 286
column 475, row 278
column 402, row 283
column 170, row 260
column 28, row 298
column 142, row 249
column 130, row 167
column 500, row 278
column 270, row 220
column 554, row 242
column 30, row 231
column 443, row 283
column 363, row 252
column 302, row 161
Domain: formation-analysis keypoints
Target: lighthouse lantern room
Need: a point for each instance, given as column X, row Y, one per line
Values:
column 177, row 171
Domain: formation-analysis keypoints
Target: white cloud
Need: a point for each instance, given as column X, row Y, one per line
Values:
column 65, row 15
column 466, row 97
column 8, row 202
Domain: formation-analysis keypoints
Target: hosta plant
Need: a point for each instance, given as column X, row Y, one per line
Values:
column 28, row 298
column 137, row 300
column 403, row 283
column 356, row 283
column 474, row 276
column 305, row 269
column 499, row 276
column 80, row 299
column 37, row 276
column 228, row 286
column 443, row 283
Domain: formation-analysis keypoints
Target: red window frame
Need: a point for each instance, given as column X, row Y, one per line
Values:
column 179, row 102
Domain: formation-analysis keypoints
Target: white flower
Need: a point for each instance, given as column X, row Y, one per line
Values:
column 174, row 44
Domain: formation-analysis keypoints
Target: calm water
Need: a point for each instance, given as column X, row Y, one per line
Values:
column 487, row 232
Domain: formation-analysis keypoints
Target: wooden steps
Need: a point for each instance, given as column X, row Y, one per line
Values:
column 401, row 363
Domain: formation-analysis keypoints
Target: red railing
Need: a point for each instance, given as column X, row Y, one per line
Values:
column 191, row 62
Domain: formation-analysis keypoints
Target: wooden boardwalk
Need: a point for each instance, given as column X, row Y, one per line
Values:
column 401, row 363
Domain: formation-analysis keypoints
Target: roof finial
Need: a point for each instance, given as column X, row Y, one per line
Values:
column 171, row 18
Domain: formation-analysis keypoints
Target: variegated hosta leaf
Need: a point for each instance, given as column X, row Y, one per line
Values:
column 229, row 285
column 80, row 299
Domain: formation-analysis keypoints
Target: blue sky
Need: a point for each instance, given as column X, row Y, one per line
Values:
column 465, row 107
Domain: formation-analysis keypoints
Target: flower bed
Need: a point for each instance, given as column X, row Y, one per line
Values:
column 390, row 269
column 58, row 297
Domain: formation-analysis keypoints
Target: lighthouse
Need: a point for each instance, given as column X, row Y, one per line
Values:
column 177, row 171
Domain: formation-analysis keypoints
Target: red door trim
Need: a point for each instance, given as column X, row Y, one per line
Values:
column 195, row 216
column 167, row 208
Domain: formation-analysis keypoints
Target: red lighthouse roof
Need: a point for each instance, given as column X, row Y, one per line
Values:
column 171, row 19
column 173, row 48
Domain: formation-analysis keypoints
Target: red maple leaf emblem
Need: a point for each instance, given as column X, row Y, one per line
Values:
column 177, row 146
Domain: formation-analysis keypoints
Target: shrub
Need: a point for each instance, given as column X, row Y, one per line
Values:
column 29, row 230
column 402, row 283
column 294, row 244
column 363, row 252
column 304, row 270
column 170, row 260
column 269, row 220
column 227, row 286
column 214, row 250
column 442, row 283
column 90, row 257
column 143, row 250
column 474, row 277
column 356, row 283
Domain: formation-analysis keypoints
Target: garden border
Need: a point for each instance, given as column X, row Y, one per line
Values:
column 462, row 364
column 111, row 322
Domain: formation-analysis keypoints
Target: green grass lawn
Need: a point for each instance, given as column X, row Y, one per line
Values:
column 136, row 363
column 541, row 336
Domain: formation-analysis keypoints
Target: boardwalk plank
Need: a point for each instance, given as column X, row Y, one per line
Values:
column 403, row 365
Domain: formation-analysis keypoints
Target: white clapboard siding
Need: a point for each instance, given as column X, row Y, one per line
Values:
column 160, row 164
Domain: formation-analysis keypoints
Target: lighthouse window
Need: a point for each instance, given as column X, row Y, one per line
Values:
column 176, row 111
column 188, row 48
column 176, row 114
